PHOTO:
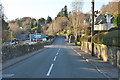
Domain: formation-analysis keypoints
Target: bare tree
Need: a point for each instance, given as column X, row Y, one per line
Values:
column 77, row 9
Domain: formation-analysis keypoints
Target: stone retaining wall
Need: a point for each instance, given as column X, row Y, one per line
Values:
column 109, row 54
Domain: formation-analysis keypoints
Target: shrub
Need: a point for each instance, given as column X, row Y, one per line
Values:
column 79, row 43
column 113, row 29
column 116, row 23
column 88, row 31
column 108, row 38
column 86, row 38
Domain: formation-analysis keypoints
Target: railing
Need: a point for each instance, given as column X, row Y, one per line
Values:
column 103, row 26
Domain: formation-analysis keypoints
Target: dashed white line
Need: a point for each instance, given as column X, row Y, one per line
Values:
column 57, row 53
column 50, row 70
column 55, row 58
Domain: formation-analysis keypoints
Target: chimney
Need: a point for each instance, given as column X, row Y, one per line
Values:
column 108, row 18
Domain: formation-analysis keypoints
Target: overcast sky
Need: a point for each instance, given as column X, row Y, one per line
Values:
column 43, row 8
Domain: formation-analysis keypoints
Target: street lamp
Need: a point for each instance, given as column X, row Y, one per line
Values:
column 36, row 35
column 92, row 29
column 11, row 36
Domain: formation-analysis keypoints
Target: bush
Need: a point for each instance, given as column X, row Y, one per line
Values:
column 108, row 38
column 10, row 52
column 88, row 31
column 116, row 23
column 86, row 38
column 79, row 43
column 113, row 29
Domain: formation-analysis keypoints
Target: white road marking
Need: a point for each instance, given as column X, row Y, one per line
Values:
column 49, row 70
column 55, row 58
column 57, row 53
column 58, row 50
column 7, row 75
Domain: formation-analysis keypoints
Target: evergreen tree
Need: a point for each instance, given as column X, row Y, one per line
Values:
column 38, row 23
column 49, row 19
column 65, row 11
column 31, row 24
column 42, row 21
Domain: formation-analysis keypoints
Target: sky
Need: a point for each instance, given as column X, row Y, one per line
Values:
column 43, row 8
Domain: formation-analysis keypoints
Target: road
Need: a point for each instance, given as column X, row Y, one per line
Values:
column 58, row 61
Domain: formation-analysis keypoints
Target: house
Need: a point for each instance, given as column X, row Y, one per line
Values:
column 42, row 24
column 39, row 36
column 32, row 37
column 22, row 37
column 103, row 22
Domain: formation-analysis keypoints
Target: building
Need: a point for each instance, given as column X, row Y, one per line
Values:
column 103, row 22
column 31, row 37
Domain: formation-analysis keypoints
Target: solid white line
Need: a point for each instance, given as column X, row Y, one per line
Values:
column 49, row 70
column 55, row 58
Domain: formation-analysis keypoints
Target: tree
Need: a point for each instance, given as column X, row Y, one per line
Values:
column 65, row 11
column 31, row 24
column 49, row 19
column 42, row 21
column 112, row 8
column 38, row 23
column 117, row 21
column 77, row 6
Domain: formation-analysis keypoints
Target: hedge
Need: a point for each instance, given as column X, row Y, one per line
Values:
column 86, row 38
column 10, row 52
column 108, row 38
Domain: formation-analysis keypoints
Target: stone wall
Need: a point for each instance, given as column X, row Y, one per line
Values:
column 10, row 52
column 109, row 54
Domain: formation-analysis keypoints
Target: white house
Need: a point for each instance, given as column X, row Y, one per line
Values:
column 103, row 22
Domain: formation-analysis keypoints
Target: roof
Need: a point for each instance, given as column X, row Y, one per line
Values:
column 112, row 19
column 101, row 19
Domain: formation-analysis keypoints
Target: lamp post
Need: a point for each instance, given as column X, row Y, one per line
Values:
column 30, row 37
column 92, row 29
column 36, row 35
column 11, row 36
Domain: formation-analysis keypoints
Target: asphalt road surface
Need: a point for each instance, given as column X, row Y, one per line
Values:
column 58, row 61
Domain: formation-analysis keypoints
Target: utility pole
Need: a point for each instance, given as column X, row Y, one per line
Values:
column 92, row 29
column 36, row 35
column 30, row 37
column 11, row 36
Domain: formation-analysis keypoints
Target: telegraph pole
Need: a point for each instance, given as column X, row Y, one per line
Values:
column 11, row 36
column 36, row 35
column 92, row 29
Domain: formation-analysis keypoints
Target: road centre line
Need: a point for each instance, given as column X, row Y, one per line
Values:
column 57, row 53
column 59, row 50
column 50, row 69
column 55, row 58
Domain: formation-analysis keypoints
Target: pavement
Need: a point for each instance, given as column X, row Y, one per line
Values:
column 104, row 68
column 60, row 60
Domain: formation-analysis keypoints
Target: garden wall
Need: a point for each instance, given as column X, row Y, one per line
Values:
column 10, row 52
column 109, row 54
